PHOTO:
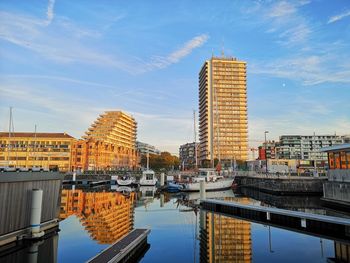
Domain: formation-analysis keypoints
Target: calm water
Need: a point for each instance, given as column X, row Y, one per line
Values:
column 94, row 219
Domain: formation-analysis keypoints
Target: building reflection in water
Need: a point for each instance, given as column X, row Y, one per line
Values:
column 107, row 216
column 225, row 239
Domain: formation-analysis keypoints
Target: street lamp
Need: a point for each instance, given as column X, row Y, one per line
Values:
column 266, row 151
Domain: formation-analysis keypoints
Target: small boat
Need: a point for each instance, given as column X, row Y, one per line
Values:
column 125, row 180
column 148, row 178
column 174, row 187
column 213, row 181
column 125, row 190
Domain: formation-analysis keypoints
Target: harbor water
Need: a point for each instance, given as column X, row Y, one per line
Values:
column 93, row 219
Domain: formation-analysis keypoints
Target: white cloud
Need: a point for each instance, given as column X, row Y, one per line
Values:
column 50, row 13
column 311, row 70
column 338, row 17
column 282, row 9
column 177, row 55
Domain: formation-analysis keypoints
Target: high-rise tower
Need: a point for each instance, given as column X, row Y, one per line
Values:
column 223, row 121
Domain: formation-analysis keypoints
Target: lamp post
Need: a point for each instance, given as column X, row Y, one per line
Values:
column 266, row 151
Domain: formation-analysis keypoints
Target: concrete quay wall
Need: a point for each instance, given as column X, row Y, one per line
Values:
column 283, row 185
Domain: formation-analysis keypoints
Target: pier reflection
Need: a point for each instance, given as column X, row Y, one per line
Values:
column 32, row 252
column 225, row 239
column 107, row 216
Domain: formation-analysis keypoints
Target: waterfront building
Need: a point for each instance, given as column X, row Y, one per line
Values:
column 337, row 190
column 107, row 216
column 268, row 150
column 225, row 239
column 144, row 148
column 305, row 147
column 187, row 155
column 40, row 150
column 223, row 123
column 109, row 143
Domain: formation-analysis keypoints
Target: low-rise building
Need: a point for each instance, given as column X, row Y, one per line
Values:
column 144, row 148
column 39, row 150
column 337, row 189
column 305, row 147
column 268, row 150
column 187, row 154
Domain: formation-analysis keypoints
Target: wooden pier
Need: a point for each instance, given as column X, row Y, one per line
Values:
column 128, row 249
column 311, row 224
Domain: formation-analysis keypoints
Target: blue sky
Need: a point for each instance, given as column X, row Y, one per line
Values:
column 64, row 62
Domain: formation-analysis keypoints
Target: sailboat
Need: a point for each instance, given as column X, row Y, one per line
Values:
column 148, row 176
column 211, row 176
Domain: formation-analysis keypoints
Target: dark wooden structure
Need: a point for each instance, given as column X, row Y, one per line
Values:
column 15, row 202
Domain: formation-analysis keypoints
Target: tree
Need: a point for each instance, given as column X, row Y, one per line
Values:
column 160, row 162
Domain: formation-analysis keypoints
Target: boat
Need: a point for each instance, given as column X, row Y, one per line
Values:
column 125, row 180
column 148, row 178
column 213, row 181
column 174, row 187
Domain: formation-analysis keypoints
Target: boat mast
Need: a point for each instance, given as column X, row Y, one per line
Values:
column 9, row 139
column 195, row 138
column 147, row 160
column 217, row 125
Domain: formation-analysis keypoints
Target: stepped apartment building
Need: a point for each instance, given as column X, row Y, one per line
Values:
column 109, row 143
column 223, row 121
column 41, row 150
column 106, row 216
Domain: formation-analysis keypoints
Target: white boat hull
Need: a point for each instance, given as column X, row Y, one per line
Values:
column 209, row 186
column 148, row 182
column 125, row 182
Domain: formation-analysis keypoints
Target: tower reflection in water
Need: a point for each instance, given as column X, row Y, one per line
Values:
column 107, row 216
column 225, row 239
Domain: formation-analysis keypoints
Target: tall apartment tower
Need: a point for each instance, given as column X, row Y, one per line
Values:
column 223, row 121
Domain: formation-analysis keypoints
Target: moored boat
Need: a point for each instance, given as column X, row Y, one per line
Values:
column 148, row 178
column 213, row 181
column 125, row 180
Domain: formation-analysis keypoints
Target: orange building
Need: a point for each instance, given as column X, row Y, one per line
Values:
column 110, row 143
column 225, row 239
column 107, row 216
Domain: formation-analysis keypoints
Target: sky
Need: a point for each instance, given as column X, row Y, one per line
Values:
column 62, row 63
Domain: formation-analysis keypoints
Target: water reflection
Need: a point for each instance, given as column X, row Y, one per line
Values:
column 32, row 252
column 225, row 239
column 107, row 216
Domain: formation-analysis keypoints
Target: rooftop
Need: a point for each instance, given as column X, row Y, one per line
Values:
column 37, row 135
column 338, row 147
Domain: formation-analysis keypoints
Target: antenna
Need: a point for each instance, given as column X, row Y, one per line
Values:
column 222, row 48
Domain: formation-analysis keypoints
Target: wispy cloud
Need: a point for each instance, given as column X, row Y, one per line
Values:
column 282, row 9
column 309, row 69
column 338, row 17
column 50, row 13
column 177, row 55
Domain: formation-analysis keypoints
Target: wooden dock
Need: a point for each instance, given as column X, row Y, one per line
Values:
column 329, row 227
column 128, row 249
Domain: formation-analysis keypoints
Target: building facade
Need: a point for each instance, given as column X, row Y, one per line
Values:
column 188, row 156
column 305, row 147
column 336, row 191
column 49, row 151
column 144, row 148
column 109, row 143
column 223, row 121
column 268, row 150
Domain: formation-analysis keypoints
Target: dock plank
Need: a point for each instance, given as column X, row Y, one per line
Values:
column 119, row 249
